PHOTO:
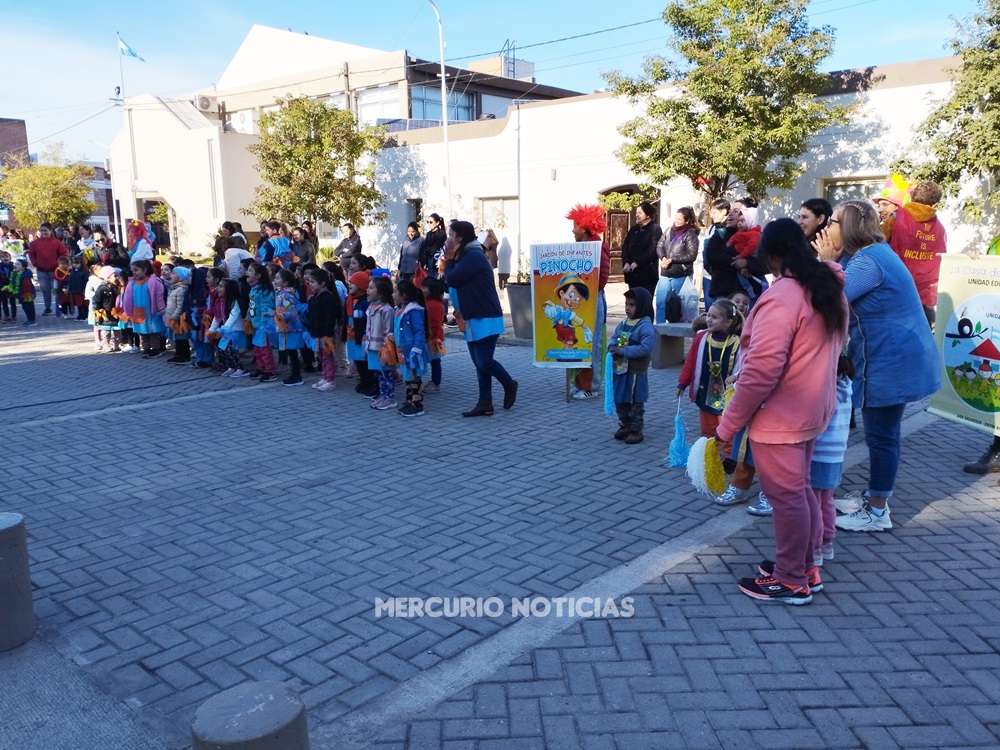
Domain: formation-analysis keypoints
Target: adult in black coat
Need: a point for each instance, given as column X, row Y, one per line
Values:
column 719, row 260
column 432, row 243
column 639, row 262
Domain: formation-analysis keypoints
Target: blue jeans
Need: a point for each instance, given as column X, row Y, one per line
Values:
column 664, row 287
column 487, row 368
column 882, row 438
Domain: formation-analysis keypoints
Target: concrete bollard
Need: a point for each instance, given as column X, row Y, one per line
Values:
column 17, row 611
column 253, row 716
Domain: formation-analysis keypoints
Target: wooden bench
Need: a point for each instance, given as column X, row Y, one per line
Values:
column 669, row 348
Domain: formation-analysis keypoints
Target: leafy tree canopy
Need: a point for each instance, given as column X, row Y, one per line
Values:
column 316, row 163
column 959, row 142
column 743, row 106
column 57, row 192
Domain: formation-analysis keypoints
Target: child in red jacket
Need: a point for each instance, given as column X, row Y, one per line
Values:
column 713, row 357
column 434, row 304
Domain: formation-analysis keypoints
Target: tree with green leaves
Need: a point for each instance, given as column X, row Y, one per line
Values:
column 316, row 163
column 56, row 193
column 958, row 144
column 736, row 104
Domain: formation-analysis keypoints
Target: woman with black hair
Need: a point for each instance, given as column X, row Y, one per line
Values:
column 639, row 250
column 432, row 243
column 785, row 394
column 469, row 275
column 814, row 217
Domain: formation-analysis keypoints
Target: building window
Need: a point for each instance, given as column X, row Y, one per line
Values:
column 375, row 104
column 855, row 189
column 425, row 104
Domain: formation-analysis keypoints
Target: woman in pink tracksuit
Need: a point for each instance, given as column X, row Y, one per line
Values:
column 786, row 392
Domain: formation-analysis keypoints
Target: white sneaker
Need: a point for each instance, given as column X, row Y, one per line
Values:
column 325, row 385
column 762, row 507
column 387, row 403
column 240, row 374
column 128, row 348
column 318, row 383
column 731, row 496
column 850, row 503
column 582, row 395
column 864, row 520
column 227, row 373
column 573, row 391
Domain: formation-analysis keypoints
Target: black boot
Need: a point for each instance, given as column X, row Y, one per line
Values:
column 989, row 463
column 509, row 394
column 481, row 409
column 623, row 432
column 634, row 437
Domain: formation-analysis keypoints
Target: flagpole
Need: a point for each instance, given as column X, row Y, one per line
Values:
column 121, row 69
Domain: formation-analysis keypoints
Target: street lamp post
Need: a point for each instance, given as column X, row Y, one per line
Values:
column 444, row 111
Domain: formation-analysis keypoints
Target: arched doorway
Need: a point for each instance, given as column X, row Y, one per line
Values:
column 621, row 217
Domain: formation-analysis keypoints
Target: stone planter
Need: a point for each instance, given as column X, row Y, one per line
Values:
column 519, row 296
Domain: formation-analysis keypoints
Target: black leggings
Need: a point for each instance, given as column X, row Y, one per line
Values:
column 293, row 360
column 230, row 358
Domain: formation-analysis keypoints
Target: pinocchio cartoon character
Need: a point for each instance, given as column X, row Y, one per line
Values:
column 571, row 291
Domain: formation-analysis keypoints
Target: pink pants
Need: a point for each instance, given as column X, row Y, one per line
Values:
column 328, row 363
column 264, row 358
column 783, row 473
column 828, row 512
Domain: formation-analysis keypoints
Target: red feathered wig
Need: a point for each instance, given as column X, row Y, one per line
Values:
column 590, row 218
column 136, row 231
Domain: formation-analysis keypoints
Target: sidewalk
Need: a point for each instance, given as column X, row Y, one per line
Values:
column 178, row 549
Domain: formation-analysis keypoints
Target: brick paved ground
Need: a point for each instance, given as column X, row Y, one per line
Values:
column 188, row 534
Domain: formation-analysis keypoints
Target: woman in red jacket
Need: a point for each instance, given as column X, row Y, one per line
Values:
column 785, row 393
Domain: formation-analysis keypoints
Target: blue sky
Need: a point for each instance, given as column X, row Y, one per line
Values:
column 66, row 59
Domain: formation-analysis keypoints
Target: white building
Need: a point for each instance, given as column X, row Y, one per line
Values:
column 519, row 171
column 191, row 151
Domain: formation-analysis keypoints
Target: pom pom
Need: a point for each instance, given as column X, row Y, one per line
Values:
column 715, row 474
column 609, row 387
column 679, row 450
column 704, row 467
column 696, row 465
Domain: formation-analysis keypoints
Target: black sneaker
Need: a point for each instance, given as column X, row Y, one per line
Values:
column 989, row 463
column 47, row 312
column 152, row 355
column 178, row 361
column 411, row 411
column 766, row 568
column 290, row 381
column 268, row 377
column 767, row 588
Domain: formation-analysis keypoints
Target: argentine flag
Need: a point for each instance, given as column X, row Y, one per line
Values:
column 126, row 50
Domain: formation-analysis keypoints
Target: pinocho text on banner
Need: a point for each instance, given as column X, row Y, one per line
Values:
column 564, row 279
column 968, row 332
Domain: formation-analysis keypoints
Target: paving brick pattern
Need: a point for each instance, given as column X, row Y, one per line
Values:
column 184, row 547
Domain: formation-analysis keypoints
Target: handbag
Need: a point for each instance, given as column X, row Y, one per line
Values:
column 388, row 355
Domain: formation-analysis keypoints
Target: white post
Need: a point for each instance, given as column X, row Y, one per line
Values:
column 517, row 103
column 444, row 112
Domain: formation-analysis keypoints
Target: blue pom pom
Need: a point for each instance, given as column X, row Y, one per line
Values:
column 609, row 387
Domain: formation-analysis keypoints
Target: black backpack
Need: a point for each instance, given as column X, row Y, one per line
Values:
column 673, row 307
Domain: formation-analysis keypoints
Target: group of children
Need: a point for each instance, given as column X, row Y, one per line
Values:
column 709, row 371
column 382, row 332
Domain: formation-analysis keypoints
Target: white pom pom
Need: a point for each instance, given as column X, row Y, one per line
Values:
column 696, row 465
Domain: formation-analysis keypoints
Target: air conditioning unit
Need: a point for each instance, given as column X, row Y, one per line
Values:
column 206, row 104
